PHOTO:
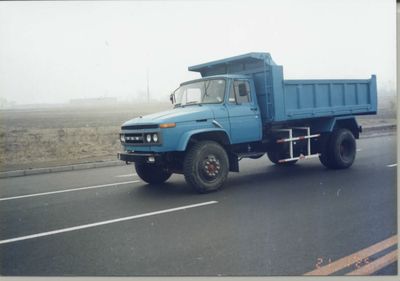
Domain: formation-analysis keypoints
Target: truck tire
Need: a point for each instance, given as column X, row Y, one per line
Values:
column 340, row 150
column 152, row 174
column 326, row 153
column 206, row 166
column 275, row 155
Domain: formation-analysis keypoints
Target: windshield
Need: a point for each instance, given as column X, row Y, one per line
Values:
column 206, row 91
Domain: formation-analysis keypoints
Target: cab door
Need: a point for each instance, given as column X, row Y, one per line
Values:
column 244, row 115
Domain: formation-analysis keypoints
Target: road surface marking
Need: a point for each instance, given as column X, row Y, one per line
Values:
column 359, row 149
column 353, row 258
column 67, row 190
column 376, row 265
column 105, row 222
column 125, row 176
column 392, row 165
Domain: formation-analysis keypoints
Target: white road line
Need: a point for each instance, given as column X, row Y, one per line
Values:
column 125, row 176
column 67, row 190
column 104, row 222
column 392, row 165
column 359, row 149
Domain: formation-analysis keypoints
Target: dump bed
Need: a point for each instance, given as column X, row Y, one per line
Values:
column 284, row 100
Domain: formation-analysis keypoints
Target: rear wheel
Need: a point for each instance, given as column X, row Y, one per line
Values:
column 277, row 154
column 206, row 166
column 152, row 174
column 339, row 151
column 326, row 154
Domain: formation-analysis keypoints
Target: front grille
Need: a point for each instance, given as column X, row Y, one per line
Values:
column 134, row 138
column 139, row 127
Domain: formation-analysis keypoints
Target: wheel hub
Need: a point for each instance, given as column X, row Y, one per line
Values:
column 211, row 166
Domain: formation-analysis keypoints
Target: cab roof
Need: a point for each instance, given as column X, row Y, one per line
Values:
column 234, row 65
column 225, row 76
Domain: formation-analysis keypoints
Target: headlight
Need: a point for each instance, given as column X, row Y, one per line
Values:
column 155, row 138
column 122, row 137
column 148, row 138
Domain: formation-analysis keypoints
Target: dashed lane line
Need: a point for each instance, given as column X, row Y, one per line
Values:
column 69, row 229
column 68, row 190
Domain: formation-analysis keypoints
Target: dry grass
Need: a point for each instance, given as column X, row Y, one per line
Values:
column 59, row 136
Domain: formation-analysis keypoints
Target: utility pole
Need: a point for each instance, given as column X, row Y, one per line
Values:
column 148, row 90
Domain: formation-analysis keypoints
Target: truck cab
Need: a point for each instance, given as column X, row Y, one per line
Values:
column 232, row 101
column 242, row 108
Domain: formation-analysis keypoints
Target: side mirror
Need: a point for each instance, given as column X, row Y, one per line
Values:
column 172, row 98
column 243, row 90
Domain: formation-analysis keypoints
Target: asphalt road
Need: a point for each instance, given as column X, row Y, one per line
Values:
column 267, row 220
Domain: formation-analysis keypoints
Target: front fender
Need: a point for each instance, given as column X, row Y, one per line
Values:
column 183, row 142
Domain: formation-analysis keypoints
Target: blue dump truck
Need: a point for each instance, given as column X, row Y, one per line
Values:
column 241, row 107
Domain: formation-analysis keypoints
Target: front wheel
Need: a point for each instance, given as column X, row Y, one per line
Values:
column 152, row 174
column 206, row 166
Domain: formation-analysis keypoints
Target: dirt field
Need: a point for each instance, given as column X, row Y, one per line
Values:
column 32, row 138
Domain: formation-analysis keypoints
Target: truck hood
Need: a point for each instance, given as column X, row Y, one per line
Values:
column 176, row 115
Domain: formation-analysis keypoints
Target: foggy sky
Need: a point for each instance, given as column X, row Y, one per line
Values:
column 52, row 52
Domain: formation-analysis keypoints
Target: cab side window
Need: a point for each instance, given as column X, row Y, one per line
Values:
column 240, row 92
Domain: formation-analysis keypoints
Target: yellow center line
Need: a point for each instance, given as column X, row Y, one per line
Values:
column 376, row 265
column 353, row 258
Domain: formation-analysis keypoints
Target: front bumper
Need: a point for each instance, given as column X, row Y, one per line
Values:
column 151, row 158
